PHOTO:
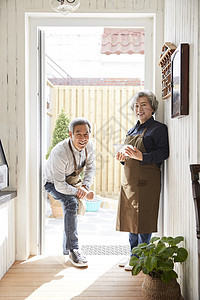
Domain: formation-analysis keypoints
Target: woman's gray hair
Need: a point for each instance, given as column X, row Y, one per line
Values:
column 150, row 97
column 79, row 121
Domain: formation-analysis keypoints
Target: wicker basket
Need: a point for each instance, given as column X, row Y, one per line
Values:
column 156, row 289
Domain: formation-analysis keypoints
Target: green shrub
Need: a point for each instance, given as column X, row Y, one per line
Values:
column 60, row 132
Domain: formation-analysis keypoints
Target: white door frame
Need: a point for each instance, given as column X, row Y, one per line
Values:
column 38, row 20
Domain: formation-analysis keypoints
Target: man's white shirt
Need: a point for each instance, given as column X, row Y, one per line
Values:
column 61, row 164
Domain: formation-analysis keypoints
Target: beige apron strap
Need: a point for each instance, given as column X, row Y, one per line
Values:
column 141, row 138
column 75, row 164
column 75, row 180
column 144, row 132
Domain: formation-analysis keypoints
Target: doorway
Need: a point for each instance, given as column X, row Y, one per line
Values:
column 111, row 22
column 82, row 80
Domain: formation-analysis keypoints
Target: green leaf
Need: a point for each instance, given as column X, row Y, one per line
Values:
column 136, row 270
column 141, row 261
column 150, row 247
column 137, row 251
column 145, row 271
column 168, row 276
column 170, row 241
column 182, row 255
column 143, row 245
column 150, row 263
column 165, row 265
column 164, row 239
column 154, row 239
column 160, row 248
column 169, row 251
column 133, row 261
column 179, row 239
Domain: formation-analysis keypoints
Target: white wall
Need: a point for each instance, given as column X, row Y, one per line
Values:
column 181, row 25
column 7, row 236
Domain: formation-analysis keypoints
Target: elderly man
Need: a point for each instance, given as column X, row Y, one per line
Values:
column 62, row 176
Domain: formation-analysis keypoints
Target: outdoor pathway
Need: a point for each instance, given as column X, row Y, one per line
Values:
column 94, row 228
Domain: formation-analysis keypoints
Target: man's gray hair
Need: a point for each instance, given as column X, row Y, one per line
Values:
column 150, row 97
column 79, row 121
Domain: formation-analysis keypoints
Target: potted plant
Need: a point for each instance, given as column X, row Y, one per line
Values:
column 60, row 132
column 157, row 261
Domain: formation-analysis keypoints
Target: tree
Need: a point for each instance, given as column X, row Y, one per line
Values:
column 61, row 131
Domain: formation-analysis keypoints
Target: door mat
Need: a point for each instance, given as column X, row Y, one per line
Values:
column 106, row 249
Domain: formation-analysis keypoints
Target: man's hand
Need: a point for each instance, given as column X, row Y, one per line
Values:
column 90, row 195
column 82, row 192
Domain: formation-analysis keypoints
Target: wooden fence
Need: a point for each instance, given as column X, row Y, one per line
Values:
column 108, row 110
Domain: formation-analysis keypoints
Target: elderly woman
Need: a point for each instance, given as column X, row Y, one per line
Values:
column 140, row 187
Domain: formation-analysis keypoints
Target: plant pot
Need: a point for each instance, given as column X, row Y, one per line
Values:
column 156, row 289
column 56, row 207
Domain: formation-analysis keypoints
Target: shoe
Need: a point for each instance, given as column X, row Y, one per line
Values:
column 128, row 267
column 123, row 262
column 77, row 258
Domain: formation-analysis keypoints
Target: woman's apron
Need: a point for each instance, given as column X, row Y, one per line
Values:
column 75, row 180
column 139, row 194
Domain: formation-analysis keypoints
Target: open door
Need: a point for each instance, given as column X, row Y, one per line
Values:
column 41, row 135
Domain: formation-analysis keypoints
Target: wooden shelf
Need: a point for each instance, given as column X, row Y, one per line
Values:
column 165, row 63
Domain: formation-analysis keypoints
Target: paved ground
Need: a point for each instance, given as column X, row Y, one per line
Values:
column 94, row 228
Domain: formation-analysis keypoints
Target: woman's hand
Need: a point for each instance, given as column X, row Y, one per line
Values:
column 134, row 153
column 120, row 156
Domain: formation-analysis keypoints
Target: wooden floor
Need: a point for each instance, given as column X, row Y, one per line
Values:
column 54, row 278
